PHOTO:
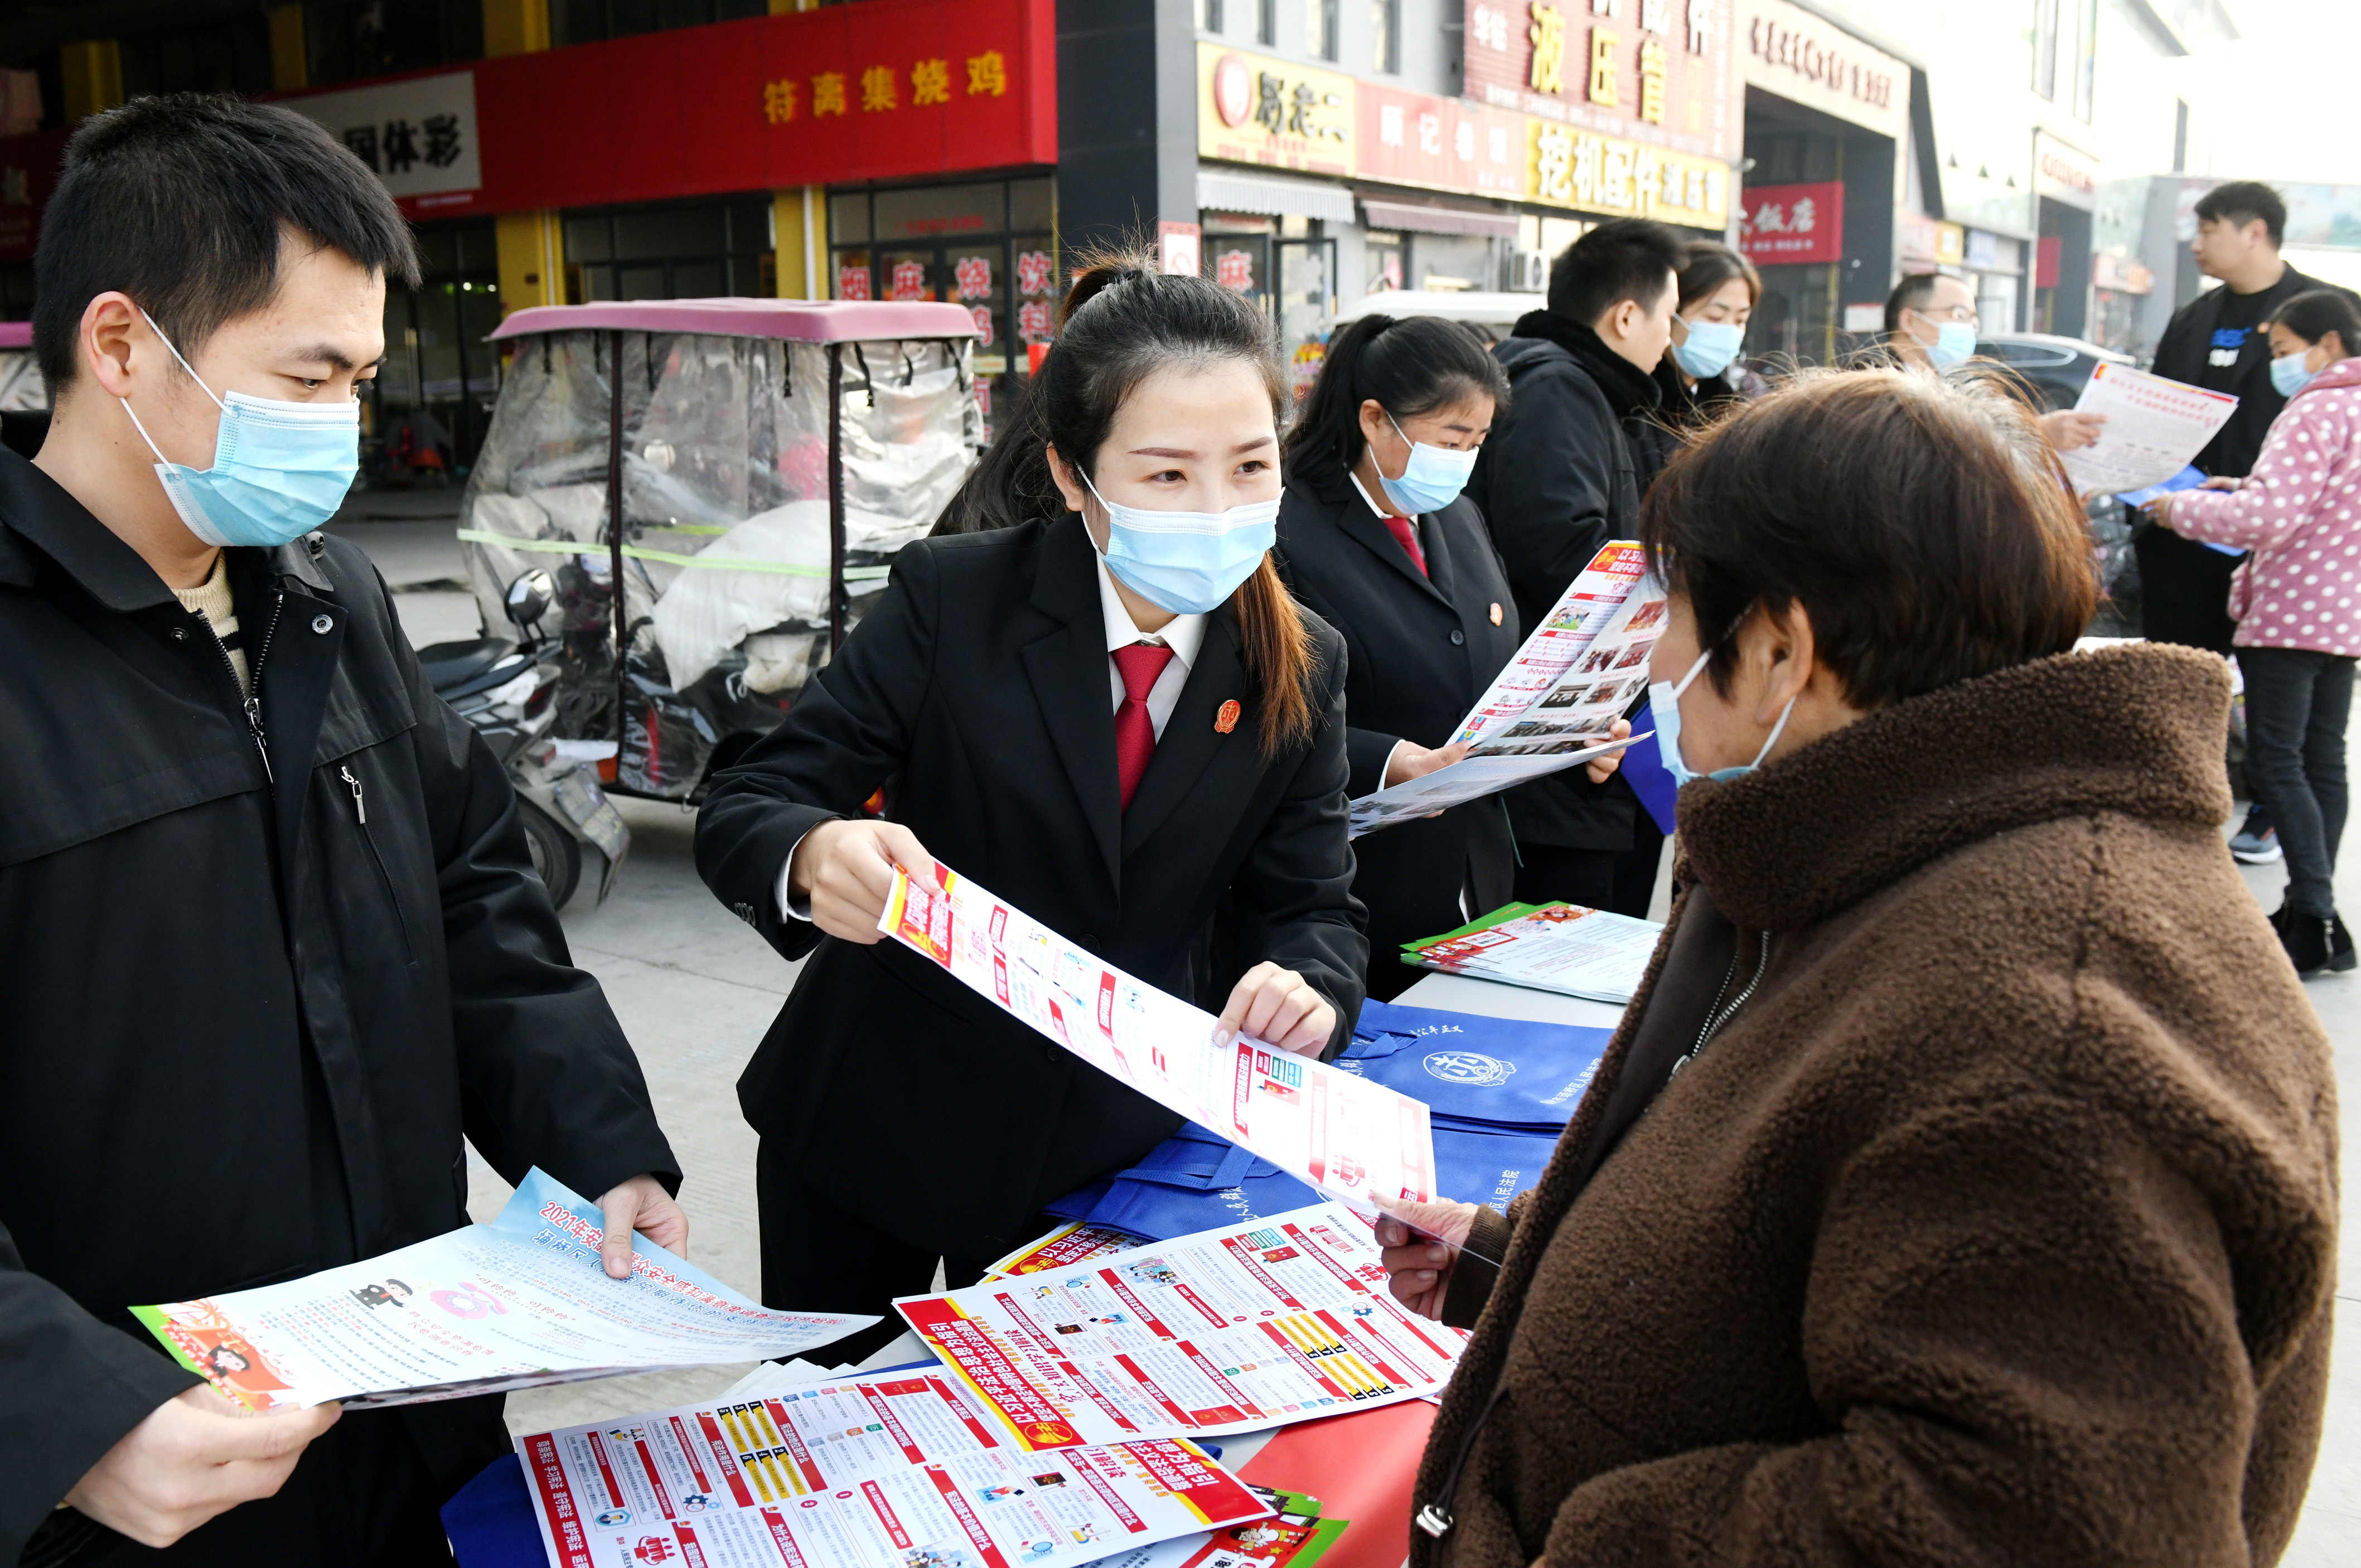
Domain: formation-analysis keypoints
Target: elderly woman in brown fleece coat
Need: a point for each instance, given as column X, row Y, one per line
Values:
column 1960, row 1186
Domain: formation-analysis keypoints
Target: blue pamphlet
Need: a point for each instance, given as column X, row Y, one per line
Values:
column 2187, row 479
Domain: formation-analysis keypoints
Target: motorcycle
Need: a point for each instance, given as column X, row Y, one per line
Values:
column 510, row 694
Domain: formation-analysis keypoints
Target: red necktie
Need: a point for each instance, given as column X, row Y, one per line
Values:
column 1134, row 733
column 1405, row 531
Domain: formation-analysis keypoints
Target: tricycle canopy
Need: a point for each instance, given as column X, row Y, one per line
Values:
column 766, row 459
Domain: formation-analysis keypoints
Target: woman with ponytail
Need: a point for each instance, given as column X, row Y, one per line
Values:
column 1090, row 692
column 1376, row 538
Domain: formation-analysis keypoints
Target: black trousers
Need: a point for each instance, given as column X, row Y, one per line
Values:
column 2297, row 701
column 2184, row 590
column 820, row 1257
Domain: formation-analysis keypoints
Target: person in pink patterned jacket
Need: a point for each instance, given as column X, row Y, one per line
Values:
column 2297, row 600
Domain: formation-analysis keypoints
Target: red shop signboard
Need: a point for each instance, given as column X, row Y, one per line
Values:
column 884, row 90
column 1784, row 225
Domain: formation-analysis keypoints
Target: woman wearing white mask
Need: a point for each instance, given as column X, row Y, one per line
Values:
column 1091, row 693
column 1376, row 538
column 1702, row 370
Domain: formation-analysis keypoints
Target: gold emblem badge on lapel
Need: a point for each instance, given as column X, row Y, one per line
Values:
column 1496, row 615
column 1227, row 718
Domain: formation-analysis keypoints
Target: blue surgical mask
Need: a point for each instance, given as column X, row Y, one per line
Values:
column 1186, row 562
column 1432, row 478
column 1709, row 348
column 1954, row 346
column 2289, row 374
column 1664, row 707
column 280, row 469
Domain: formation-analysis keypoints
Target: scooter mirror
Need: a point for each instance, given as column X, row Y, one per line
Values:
column 530, row 597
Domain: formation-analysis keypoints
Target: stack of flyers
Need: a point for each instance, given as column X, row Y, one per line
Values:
column 1564, row 947
column 899, row 1469
column 1070, row 1244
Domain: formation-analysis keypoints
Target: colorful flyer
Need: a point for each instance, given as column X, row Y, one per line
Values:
column 1580, row 656
column 521, row 1303
column 1276, row 1321
column 1591, row 953
column 1072, row 1243
column 904, row 1469
column 1348, row 1137
column 1491, row 770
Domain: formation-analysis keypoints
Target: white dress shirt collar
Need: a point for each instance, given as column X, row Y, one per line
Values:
column 1184, row 635
column 1362, row 491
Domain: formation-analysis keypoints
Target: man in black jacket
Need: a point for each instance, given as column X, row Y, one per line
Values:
column 274, row 941
column 2217, row 341
column 1556, row 480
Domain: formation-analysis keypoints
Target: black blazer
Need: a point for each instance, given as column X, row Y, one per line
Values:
column 976, row 692
column 1419, row 651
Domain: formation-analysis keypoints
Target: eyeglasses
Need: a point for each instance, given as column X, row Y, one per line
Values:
column 1963, row 315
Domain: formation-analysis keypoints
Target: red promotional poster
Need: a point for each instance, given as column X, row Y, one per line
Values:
column 1792, row 224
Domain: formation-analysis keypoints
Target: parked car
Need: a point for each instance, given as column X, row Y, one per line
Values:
column 745, row 481
column 2055, row 367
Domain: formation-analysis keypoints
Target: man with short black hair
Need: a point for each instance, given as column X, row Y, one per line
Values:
column 1557, row 478
column 2218, row 341
column 275, row 944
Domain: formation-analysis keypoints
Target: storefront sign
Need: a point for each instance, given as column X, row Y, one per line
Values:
column 1253, row 109
column 417, row 134
column 1983, row 251
column 1782, row 225
column 1923, row 238
column 2063, row 173
column 881, row 90
column 1658, row 72
column 2121, row 274
column 1617, row 178
column 1180, row 248
column 1797, row 55
column 1440, row 143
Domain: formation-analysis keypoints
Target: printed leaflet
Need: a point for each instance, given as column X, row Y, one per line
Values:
column 1348, row 1137
column 1275, row 1320
column 2154, row 428
column 901, row 1469
column 514, row 1304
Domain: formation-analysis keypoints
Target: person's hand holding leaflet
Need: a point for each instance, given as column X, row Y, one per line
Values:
column 640, row 1204
column 197, row 1455
column 1420, row 1244
column 844, row 872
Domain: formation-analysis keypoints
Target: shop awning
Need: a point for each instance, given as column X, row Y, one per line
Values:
column 1220, row 191
column 1420, row 218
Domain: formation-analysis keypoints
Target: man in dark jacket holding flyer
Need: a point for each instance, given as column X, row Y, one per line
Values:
column 275, row 946
column 1556, row 480
column 2217, row 341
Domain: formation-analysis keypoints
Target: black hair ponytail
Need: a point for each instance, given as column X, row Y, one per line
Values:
column 1412, row 365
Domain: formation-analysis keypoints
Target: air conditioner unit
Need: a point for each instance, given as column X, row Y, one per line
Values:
column 1529, row 273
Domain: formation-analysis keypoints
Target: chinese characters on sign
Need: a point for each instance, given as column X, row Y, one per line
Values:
column 930, row 86
column 1274, row 113
column 1789, row 50
column 418, row 137
column 1668, row 82
column 1792, row 224
column 1603, row 174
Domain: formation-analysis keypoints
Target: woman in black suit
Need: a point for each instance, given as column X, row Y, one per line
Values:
column 1375, row 538
column 1091, row 693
